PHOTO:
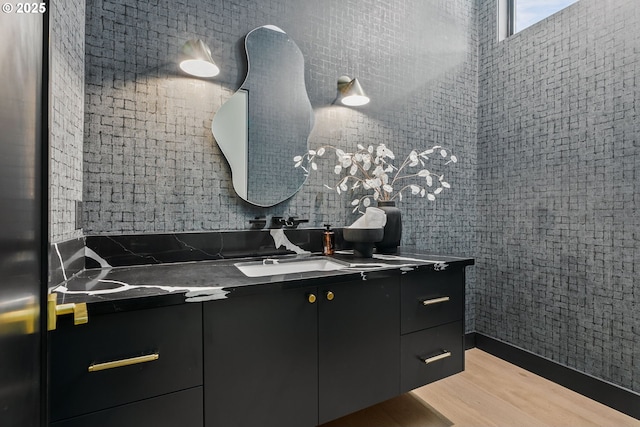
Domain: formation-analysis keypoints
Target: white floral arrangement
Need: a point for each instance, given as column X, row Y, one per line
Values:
column 371, row 169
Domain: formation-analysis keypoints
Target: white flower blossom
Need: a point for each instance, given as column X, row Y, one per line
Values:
column 379, row 170
column 371, row 170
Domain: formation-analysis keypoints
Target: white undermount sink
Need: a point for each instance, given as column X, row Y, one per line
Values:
column 272, row 267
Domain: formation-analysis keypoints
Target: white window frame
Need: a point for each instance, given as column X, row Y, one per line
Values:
column 505, row 18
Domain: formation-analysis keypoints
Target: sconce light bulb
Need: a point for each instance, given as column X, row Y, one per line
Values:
column 196, row 59
column 199, row 68
column 350, row 92
column 355, row 100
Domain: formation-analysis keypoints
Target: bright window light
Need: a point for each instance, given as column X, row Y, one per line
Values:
column 528, row 12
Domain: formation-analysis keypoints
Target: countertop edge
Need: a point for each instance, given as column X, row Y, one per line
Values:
column 148, row 296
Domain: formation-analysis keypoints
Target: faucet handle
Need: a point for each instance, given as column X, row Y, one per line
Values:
column 276, row 222
column 258, row 223
column 293, row 221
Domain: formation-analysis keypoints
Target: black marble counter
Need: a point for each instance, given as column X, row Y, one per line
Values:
column 144, row 286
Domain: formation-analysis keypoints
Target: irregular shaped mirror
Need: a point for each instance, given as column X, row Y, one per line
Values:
column 268, row 120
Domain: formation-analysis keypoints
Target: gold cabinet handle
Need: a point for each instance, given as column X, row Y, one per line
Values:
column 438, row 357
column 330, row 296
column 124, row 362
column 79, row 311
column 435, row 300
column 311, row 298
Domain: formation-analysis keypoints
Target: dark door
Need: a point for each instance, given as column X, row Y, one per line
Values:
column 260, row 367
column 22, row 229
column 359, row 350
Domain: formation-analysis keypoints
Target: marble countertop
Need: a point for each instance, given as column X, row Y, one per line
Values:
column 144, row 286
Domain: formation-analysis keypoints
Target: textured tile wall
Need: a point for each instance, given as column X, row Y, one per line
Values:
column 152, row 165
column 559, row 188
column 66, row 85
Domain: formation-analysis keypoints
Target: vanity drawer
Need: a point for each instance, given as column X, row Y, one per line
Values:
column 442, row 347
column 183, row 408
column 431, row 299
column 172, row 333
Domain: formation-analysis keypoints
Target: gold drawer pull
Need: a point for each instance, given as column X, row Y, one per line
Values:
column 435, row 300
column 124, row 362
column 438, row 357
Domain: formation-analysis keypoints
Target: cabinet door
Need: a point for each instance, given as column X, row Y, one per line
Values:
column 431, row 354
column 359, row 345
column 183, row 409
column 172, row 335
column 431, row 299
column 261, row 361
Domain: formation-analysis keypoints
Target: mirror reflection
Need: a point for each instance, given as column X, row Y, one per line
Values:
column 268, row 119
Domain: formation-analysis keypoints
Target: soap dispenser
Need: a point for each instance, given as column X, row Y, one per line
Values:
column 328, row 241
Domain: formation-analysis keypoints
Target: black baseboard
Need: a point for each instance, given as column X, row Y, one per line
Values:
column 469, row 340
column 618, row 398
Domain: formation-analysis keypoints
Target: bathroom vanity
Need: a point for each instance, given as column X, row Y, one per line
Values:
column 201, row 344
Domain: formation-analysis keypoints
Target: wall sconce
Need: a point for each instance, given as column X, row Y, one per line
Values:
column 350, row 92
column 196, row 59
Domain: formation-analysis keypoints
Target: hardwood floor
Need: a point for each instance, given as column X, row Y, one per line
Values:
column 489, row 393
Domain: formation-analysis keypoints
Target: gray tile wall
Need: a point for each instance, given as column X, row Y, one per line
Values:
column 152, row 165
column 558, row 177
column 66, row 80
column 556, row 186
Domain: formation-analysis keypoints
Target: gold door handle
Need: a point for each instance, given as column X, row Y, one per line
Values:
column 79, row 311
column 435, row 300
column 330, row 296
column 123, row 362
column 438, row 357
column 311, row 298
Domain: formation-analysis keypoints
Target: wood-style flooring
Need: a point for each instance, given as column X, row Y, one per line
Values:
column 489, row 393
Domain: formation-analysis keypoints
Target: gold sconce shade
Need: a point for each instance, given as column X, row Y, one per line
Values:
column 196, row 59
column 350, row 92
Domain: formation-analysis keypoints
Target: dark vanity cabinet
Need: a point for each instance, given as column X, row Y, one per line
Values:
column 293, row 355
column 127, row 369
column 303, row 356
column 432, row 326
